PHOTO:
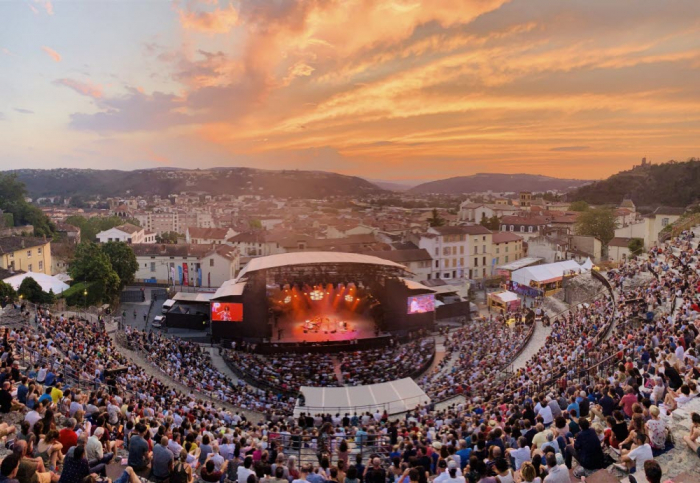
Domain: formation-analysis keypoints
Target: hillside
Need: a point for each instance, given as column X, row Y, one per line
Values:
column 497, row 182
column 671, row 184
column 234, row 181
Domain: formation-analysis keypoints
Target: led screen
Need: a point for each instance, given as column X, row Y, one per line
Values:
column 226, row 312
column 420, row 304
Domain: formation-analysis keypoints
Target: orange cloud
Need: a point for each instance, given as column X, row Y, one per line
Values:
column 218, row 21
column 48, row 6
column 84, row 88
column 52, row 53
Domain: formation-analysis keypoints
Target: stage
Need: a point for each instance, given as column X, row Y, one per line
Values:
column 331, row 327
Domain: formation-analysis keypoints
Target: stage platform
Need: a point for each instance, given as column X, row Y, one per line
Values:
column 294, row 330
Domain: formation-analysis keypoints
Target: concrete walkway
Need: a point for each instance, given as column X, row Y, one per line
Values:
column 533, row 346
column 220, row 364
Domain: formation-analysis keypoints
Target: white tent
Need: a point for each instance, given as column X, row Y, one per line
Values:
column 588, row 264
column 46, row 282
column 506, row 296
column 395, row 397
column 550, row 272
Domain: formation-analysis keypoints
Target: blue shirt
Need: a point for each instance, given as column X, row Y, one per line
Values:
column 22, row 391
column 50, row 378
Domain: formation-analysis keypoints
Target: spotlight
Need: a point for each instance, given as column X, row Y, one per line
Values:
column 349, row 298
column 287, row 299
column 316, row 295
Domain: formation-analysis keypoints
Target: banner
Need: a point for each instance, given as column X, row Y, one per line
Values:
column 172, row 275
column 179, row 274
column 185, row 274
column 199, row 276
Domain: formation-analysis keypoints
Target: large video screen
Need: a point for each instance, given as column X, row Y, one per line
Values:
column 420, row 304
column 226, row 312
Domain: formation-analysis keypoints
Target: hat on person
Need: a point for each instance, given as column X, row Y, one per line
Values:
column 452, row 464
column 437, row 445
column 492, row 423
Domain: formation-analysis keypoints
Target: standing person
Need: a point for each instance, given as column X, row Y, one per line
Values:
column 374, row 473
column 323, row 445
column 162, row 461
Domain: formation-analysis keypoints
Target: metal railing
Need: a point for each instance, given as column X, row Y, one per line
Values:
column 304, row 447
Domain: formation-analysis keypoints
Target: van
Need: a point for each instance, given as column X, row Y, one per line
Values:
column 158, row 321
column 167, row 305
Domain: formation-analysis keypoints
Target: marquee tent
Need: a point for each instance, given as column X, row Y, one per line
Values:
column 46, row 282
column 548, row 273
column 395, row 397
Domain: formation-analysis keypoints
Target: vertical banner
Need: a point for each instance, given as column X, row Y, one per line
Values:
column 185, row 274
column 199, row 276
column 172, row 274
column 179, row 273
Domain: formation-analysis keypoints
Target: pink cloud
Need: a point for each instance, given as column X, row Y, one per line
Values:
column 54, row 55
column 48, row 6
column 84, row 88
column 219, row 21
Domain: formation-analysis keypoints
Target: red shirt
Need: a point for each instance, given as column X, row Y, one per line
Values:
column 68, row 438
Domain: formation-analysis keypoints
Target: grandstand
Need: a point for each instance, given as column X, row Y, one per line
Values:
column 632, row 347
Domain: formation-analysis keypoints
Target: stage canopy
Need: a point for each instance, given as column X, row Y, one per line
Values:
column 313, row 258
column 506, row 296
column 395, row 397
column 46, row 282
column 550, row 272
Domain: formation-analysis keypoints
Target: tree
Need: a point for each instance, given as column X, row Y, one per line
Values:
column 435, row 219
column 30, row 290
column 12, row 200
column 635, row 246
column 123, row 260
column 579, row 206
column 7, row 293
column 167, row 237
column 92, row 265
column 492, row 223
column 600, row 223
column 256, row 224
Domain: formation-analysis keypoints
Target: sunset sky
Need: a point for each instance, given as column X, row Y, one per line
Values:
column 395, row 89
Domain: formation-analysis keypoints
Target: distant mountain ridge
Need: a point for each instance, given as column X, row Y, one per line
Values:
column 672, row 184
column 497, row 182
column 216, row 181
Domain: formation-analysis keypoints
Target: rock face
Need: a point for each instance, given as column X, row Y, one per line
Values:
column 681, row 459
column 581, row 288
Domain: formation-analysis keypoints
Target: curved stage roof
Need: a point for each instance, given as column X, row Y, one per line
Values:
column 313, row 258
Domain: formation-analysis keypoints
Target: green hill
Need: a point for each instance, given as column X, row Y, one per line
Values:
column 671, row 184
column 215, row 181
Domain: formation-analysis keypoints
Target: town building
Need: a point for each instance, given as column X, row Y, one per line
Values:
column 618, row 249
column 525, row 225
column 651, row 225
column 458, row 252
column 208, row 236
column 126, row 233
column 186, row 264
column 417, row 260
column 507, row 247
column 69, row 232
column 255, row 244
column 25, row 254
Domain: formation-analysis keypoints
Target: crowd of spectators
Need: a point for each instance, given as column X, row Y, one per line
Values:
column 386, row 364
column 600, row 390
column 285, row 372
column 474, row 355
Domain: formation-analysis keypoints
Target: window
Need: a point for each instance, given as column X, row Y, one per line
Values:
column 497, row 250
column 483, row 238
column 461, row 249
column 41, row 266
column 461, row 262
column 507, row 248
column 506, row 258
column 153, row 266
column 483, row 249
column 476, row 262
column 503, row 227
column 484, row 272
column 211, row 262
column 522, row 229
column 483, row 260
column 476, row 250
column 664, row 221
column 446, row 275
column 38, row 251
column 437, row 263
column 29, row 254
column 454, row 262
column 446, row 251
column 529, row 228
column 437, row 252
column 511, row 227
column 30, row 267
column 498, row 260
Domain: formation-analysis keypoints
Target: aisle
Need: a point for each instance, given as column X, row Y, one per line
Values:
column 533, row 346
